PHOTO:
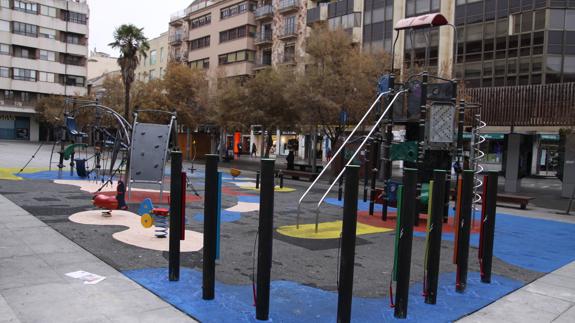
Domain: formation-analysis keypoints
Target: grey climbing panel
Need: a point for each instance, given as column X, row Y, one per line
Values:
column 149, row 152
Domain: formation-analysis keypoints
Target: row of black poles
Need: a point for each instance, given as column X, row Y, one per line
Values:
column 210, row 227
column 176, row 209
column 464, row 230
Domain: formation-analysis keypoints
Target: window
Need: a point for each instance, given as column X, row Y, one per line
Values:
column 47, row 33
column 161, row 72
column 162, row 54
column 153, row 57
column 72, row 80
column 200, row 43
column 234, row 57
column 237, row 9
column 47, row 55
column 74, row 60
column 289, row 25
column 201, row 21
column 24, row 52
column 203, row 63
column 416, row 7
column 27, row 7
column 76, row 17
column 556, row 19
column 74, row 39
column 46, row 77
column 4, row 25
column 25, row 29
column 22, row 74
column 4, row 49
column 289, row 53
column 152, row 75
column 5, row 3
column 239, row 32
column 4, row 72
column 48, row 11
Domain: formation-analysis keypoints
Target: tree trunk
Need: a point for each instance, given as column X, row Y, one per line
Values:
column 314, row 150
column 127, row 86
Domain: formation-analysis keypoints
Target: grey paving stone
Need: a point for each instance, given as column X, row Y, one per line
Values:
column 6, row 313
column 171, row 315
column 524, row 298
column 567, row 316
column 564, row 293
column 506, row 311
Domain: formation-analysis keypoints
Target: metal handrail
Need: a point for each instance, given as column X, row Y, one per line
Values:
column 355, row 155
column 337, row 153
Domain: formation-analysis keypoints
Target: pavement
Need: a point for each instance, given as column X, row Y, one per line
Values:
column 34, row 261
column 550, row 298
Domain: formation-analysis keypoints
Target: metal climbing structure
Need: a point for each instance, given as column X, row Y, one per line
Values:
column 149, row 150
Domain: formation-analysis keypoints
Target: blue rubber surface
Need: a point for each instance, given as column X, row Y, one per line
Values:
column 227, row 216
column 52, row 175
column 535, row 244
column 292, row 302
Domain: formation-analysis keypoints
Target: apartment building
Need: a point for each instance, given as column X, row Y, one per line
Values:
column 281, row 32
column 154, row 65
column 215, row 35
column 43, row 51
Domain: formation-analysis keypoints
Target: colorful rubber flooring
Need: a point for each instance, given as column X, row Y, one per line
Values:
column 292, row 302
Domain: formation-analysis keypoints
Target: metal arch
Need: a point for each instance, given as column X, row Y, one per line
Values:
column 126, row 127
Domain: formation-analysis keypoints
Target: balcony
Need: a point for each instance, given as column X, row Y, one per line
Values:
column 288, row 33
column 176, row 39
column 287, row 6
column 264, row 12
column 263, row 62
column 264, row 38
column 316, row 15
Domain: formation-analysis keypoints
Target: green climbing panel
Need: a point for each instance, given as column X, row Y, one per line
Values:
column 406, row 151
column 70, row 149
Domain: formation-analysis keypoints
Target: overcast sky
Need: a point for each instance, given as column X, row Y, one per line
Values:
column 106, row 15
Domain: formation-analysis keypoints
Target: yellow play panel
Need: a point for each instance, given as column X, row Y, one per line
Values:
column 9, row 173
column 326, row 230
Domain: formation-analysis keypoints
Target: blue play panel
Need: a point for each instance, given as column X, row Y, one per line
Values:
column 292, row 302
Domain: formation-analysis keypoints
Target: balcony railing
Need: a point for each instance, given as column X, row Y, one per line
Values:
column 264, row 12
column 176, row 38
column 289, row 32
column 313, row 15
column 263, row 38
column 288, row 5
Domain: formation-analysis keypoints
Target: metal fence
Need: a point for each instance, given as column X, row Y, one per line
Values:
column 527, row 105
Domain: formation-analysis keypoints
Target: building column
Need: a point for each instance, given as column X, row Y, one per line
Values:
column 34, row 129
column 398, row 14
column 301, row 146
column 512, row 180
column 535, row 154
column 252, row 140
column 278, row 142
column 446, row 41
column 569, row 167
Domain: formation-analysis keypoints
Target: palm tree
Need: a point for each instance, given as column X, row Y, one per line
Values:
column 132, row 43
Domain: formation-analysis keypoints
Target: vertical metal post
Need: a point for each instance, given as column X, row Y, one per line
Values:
column 175, row 214
column 434, row 236
column 345, row 284
column 374, row 169
column 265, row 239
column 366, row 172
column 409, row 210
column 340, row 184
column 258, row 180
column 488, row 227
column 387, row 169
column 210, row 227
column 464, row 227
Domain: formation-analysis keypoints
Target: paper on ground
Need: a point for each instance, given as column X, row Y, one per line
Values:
column 87, row 277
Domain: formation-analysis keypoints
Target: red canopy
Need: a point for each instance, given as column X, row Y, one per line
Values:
column 424, row 21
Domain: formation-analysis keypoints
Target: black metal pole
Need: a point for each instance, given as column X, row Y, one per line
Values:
column 345, row 284
column 366, row 171
column 374, row 169
column 488, row 230
column 387, row 169
column 340, row 184
column 434, row 238
column 265, row 239
column 210, row 227
column 409, row 208
column 258, row 180
column 464, row 227
column 175, row 214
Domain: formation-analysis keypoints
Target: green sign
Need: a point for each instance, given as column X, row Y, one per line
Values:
column 549, row 137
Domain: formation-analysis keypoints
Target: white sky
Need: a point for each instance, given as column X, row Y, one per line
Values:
column 106, row 15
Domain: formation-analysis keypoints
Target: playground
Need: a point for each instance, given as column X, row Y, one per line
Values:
column 423, row 243
column 304, row 272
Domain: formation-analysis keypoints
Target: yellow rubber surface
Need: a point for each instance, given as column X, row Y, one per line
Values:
column 326, row 230
column 10, row 173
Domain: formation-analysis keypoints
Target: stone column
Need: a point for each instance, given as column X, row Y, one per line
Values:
column 512, row 180
column 569, row 167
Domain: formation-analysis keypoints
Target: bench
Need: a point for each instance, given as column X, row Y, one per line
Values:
column 305, row 167
column 515, row 199
column 296, row 174
column 520, row 200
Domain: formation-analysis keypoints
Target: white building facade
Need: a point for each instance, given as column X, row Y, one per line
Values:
column 43, row 51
